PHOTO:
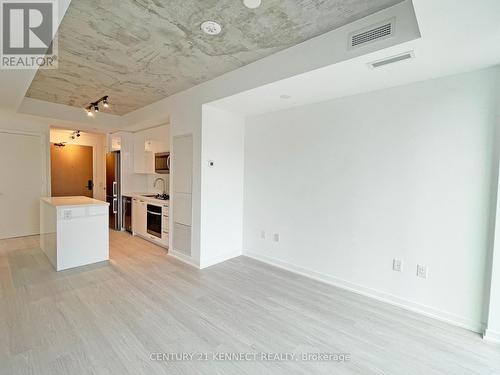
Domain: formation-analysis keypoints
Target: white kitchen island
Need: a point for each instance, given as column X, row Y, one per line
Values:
column 74, row 231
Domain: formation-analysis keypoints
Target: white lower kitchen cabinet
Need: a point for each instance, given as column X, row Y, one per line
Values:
column 139, row 217
column 140, row 220
column 164, row 227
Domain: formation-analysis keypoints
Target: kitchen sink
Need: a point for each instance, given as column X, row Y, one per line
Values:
column 163, row 197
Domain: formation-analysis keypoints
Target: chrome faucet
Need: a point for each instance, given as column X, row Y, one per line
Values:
column 162, row 180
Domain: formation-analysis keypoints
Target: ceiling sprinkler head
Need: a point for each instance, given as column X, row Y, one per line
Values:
column 252, row 4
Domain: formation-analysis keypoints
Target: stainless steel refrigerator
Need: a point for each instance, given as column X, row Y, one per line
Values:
column 113, row 194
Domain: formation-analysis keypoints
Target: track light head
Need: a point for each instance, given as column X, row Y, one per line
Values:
column 105, row 102
column 96, row 108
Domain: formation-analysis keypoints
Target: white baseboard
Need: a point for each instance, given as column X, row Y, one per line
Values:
column 219, row 259
column 183, row 258
column 205, row 263
column 373, row 293
column 491, row 336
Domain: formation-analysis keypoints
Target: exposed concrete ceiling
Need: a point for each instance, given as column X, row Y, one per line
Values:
column 14, row 83
column 139, row 52
column 461, row 44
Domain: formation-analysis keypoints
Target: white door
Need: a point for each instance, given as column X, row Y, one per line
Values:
column 21, row 184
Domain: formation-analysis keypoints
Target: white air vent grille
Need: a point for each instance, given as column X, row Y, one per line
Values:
column 372, row 34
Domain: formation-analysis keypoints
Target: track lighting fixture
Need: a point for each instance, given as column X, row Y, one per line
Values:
column 75, row 134
column 94, row 106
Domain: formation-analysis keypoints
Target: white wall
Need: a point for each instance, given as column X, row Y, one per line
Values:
column 352, row 183
column 222, row 189
column 98, row 144
column 493, row 329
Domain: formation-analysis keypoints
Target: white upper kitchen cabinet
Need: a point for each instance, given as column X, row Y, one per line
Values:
column 158, row 139
column 146, row 144
column 114, row 142
column 143, row 157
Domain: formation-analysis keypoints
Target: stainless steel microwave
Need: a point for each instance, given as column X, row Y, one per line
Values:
column 162, row 162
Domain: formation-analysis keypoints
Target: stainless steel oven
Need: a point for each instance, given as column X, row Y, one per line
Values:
column 162, row 162
column 154, row 220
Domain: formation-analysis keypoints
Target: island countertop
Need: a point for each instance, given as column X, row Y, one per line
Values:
column 73, row 201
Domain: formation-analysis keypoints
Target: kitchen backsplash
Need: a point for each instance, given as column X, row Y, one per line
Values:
column 150, row 183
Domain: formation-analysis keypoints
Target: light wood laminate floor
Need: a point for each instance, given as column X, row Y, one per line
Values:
column 109, row 318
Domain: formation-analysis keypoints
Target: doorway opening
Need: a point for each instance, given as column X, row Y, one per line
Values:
column 72, row 170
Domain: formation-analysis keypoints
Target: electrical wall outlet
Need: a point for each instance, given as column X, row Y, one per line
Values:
column 276, row 237
column 422, row 271
column 397, row 265
column 263, row 234
column 67, row 214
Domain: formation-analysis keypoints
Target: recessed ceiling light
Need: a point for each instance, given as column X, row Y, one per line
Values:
column 284, row 96
column 252, row 4
column 211, row 28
